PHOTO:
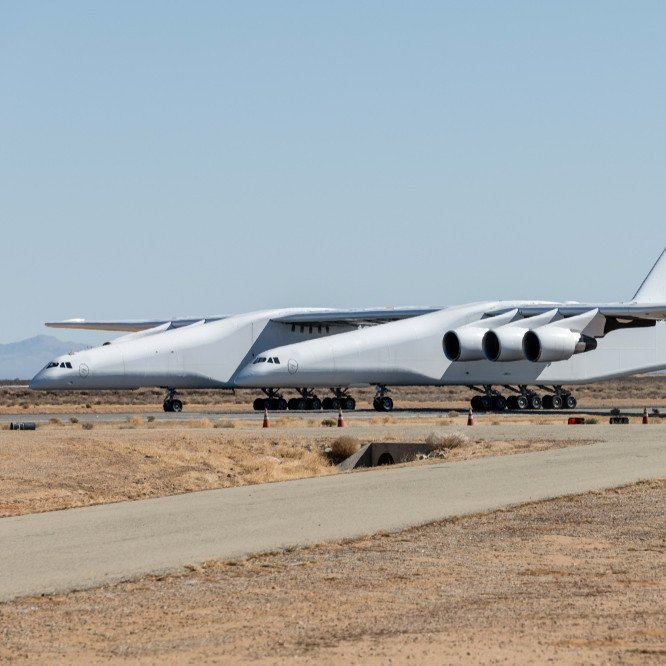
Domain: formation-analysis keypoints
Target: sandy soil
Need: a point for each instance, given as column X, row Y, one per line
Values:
column 573, row 580
column 61, row 465
column 648, row 390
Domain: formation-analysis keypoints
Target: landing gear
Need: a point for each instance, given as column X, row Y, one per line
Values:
column 273, row 401
column 490, row 401
column 340, row 400
column 382, row 403
column 559, row 399
column 524, row 398
column 307, row 401
column 172, row 404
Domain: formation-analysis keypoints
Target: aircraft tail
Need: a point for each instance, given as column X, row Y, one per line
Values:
column 653, row 289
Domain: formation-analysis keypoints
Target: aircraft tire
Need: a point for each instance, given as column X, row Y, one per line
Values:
column 499, row 403
column 557, row 401
column 486, row 403
column 512, row 402
column 176, row 406
column 167, row 406
column 326, row 403
column 570, row 402
column 281, row 404
column 350, row 404
column 548, row 402
column 475, row 403
column 316, row 404
column 377, row 405
column 535, row 402
column 335, row 403
column 259, row 404
column 522, row 402
column 387, row 404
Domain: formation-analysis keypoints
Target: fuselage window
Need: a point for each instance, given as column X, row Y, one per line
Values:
column 62, row 365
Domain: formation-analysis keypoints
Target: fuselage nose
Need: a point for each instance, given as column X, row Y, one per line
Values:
column 61, row 373
column 265, row 371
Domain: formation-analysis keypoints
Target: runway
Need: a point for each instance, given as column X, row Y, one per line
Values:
column 87, row 547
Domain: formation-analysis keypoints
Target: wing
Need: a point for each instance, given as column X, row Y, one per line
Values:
column 362, row 317
column 132, row 325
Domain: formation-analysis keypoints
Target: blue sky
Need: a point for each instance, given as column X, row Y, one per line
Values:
column 178, row 158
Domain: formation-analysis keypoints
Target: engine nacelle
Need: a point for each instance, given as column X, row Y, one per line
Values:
column 464, row 344
column 548, row 344
column 504, row 344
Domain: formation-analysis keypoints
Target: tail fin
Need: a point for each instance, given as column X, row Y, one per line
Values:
column 653, row 289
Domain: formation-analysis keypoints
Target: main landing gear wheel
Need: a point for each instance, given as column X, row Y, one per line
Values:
column 273, row 401
column 342, row 400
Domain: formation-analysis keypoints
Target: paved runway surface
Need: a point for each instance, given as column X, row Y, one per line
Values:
column 79, row 548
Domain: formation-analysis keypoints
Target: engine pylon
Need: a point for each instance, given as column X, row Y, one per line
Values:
column 267, row 421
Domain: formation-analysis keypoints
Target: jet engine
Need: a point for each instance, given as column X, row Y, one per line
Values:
column 547, row 344
column 464, row 343
column 506, row 342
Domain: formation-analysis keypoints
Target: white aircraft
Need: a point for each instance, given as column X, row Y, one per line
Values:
column 513, row 344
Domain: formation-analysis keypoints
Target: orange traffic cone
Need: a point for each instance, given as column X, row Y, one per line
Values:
column 646, row 420
column 341, row 420
column 470, row 417
column 267, row 421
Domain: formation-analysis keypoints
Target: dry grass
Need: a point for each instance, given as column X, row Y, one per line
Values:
column 450, row 440
column 60, row 466
column 343, row 447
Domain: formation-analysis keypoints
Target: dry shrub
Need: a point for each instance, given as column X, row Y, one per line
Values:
column 329, row 423
column 343, row 447
column 150, row 419
column 87, row 425
column 134, row 421
column 451, row 440
column 55, row 421
column 224, row 423
column 453, row 414
column 73, row 419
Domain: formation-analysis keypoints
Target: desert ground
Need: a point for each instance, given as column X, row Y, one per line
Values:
column 641, row 390
column 574, row 580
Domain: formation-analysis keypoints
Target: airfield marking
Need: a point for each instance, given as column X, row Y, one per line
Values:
column 87, row 547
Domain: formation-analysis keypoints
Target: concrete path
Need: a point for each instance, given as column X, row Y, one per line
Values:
column 79, row 548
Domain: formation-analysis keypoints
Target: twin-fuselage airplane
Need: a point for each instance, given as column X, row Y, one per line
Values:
column 512, row 344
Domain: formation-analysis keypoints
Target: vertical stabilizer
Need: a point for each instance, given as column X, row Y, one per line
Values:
column 653, row 289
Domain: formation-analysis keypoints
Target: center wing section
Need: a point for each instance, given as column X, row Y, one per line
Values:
column 362, row 317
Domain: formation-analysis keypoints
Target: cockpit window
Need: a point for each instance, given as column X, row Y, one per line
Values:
column 52, row 364
column 69, row 365
column 276, row 360
column 270, row 360
column 259, row 359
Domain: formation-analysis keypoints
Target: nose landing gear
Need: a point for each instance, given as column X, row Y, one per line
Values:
column 171, row 403
column 382, row 403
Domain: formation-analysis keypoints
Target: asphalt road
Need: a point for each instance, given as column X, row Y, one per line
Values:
column 87, row 547
column 398, row 413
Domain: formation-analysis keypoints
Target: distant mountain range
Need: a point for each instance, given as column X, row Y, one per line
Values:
column 22, row 360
